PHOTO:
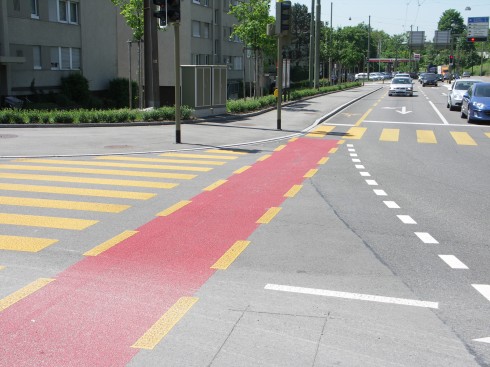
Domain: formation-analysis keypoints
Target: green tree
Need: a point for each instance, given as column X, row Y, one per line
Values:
column 451, row 20
column 253, row 17
column 132, row 11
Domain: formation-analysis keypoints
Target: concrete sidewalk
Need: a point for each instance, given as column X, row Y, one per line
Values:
column 216, row 131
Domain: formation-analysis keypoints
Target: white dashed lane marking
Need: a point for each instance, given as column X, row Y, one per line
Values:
column 406, row 219
column 380, row 192
column 426, row 237
column 391, row 204
column 453, row 262
column 371, row 182
column 484, row 289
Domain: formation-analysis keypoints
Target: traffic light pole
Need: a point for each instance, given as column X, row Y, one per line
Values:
column 177, row 82
column 279, row 80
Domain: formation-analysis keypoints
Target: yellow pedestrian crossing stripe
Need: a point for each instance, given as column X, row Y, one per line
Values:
column 77, row 191
column 62, row 204
column 426, row 137
column 116, row 164
column 203, row 156
column 161, row 160
column 113, row 172
column 46, row 221
column 390, row 135
column 26, row 244
column 97, row 181
column 356, row 132
column 321, row 131
column 463, row 138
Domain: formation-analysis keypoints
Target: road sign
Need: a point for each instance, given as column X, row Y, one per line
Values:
column 416, row 57
column 478, row 29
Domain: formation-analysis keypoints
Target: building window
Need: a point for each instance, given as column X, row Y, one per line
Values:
column 67, row 11
column 195, row 59
column 205, row 2
column 206, row 30
column 65, row 58
column 238, row 63
column 35, row 9
column 216, row 15
column 196, row 28
column 36, row 57
column 216, row 47
column 196, row 1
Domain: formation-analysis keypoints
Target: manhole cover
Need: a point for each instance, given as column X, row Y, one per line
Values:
column 117, row 146
column 8, row 136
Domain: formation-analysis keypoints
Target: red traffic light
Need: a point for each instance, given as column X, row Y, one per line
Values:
column 471, row 39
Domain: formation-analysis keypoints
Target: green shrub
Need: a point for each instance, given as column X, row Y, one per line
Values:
column 75, row 87
column 118, row 92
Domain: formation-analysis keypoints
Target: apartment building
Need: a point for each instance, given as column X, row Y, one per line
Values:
column 44, row 40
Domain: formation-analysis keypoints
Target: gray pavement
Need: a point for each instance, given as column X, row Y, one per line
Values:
column 216, row 131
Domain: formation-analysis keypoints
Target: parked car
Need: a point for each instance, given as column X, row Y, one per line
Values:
column 401, row 86
column 429, row 79
column 458, row 88
column 360, row 76
column 466, row 74
column 476, row 103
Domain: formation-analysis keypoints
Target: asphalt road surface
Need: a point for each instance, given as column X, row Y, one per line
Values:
column 355, row 238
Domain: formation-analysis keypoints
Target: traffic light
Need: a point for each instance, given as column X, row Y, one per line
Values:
column 471, row 39
column 283, row 17
column 169, row 11
column 451, row 59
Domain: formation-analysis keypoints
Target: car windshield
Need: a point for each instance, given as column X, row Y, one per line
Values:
column 401, row 81
column 482, row 91
column 463, row 86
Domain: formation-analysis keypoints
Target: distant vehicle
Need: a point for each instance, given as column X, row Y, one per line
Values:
column 458, row 88
column 429, row 79
column 403, row 75
column 386, row 75
column 476, row 103
column 440, row 77
column 360, row 76
column 466, row 74
column 375, row 76
column 421, row 76
column 401, row 86
column 413, row 75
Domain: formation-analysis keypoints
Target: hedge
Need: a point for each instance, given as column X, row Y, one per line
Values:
column 253, row 104
column 82, row 116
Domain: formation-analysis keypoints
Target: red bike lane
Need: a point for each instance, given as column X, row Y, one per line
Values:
column 94, row 312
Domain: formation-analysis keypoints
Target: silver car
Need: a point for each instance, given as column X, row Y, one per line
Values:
column 401, row 86
column 455, row 94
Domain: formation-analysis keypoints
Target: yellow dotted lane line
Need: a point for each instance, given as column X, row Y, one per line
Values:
column 269, row 215
column 323, row 160
column 241, row 170
column 165, row 324
column 215, row 185
column 363, row 117
column 293, row 191
column 264, row 157
column 231, row 255
column 173, row 208
column 279, row 148
column 312, row 172
column 23, row 293
column 110, row 243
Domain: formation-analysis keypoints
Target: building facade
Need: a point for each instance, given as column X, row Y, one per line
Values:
column 42, row 41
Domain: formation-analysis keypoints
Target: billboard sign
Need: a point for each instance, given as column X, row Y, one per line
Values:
column 478, row 29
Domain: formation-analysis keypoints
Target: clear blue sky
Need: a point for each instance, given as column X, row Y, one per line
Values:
column 396, row 16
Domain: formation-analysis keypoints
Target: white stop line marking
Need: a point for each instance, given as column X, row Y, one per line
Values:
column 356, row 296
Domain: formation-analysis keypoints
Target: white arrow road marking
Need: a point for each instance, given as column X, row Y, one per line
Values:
column 356, row 296
column 390, row 108
column 483, row 340
column 403, row 111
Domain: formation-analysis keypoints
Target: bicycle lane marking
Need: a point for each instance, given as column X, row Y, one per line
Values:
column 96, row 310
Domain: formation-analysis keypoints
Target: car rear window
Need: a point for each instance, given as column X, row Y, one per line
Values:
column 463, row 86
column 401, row 81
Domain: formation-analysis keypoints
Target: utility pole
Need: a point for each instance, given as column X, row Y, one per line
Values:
column 177, row 81
column 330, row 56
column 369, row 47
column 316, row 83
column 311, row 69
column 151, row 55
